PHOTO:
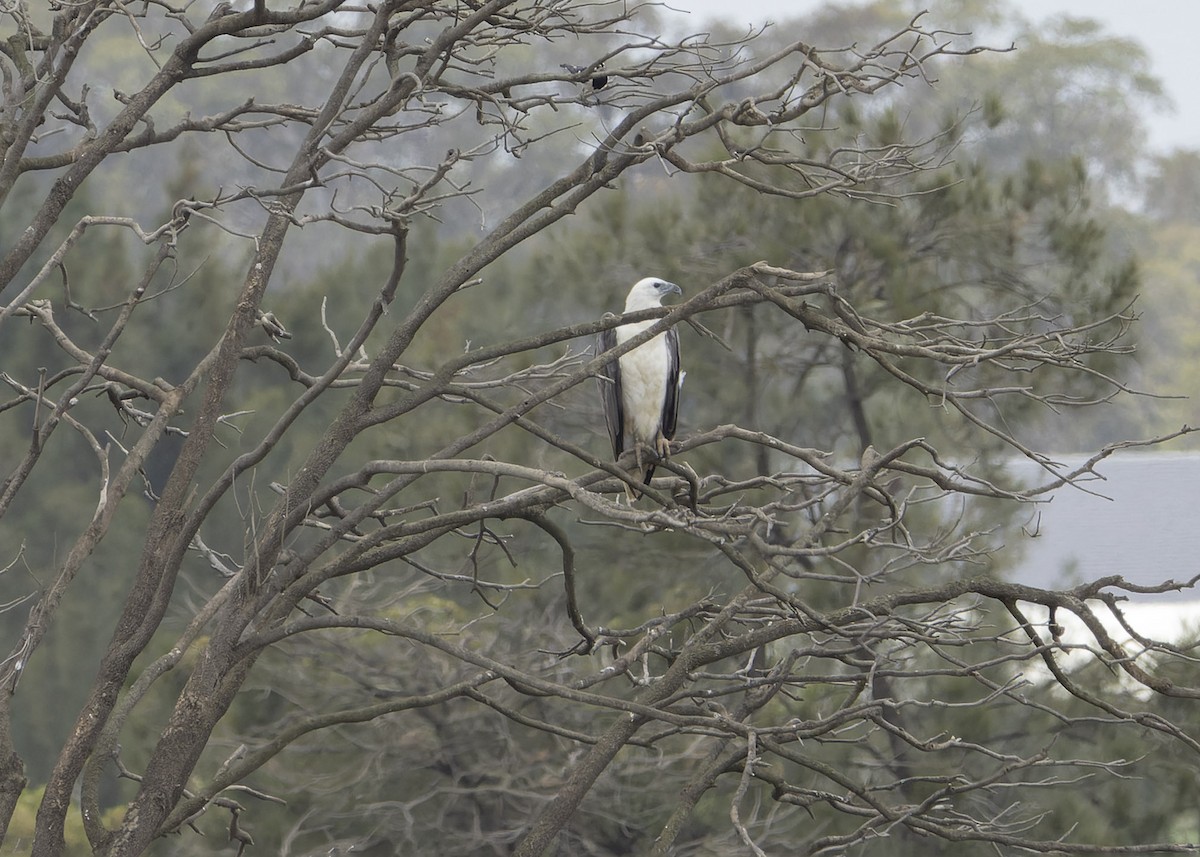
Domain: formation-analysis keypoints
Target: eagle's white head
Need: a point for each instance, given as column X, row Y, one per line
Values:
column 649, row 293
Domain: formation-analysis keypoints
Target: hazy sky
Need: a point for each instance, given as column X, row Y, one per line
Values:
column 1166, row 28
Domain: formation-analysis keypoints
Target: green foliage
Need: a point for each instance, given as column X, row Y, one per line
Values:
column 19, row 836
column 1172, row 191
column 1169, row 304
column 1067, row 86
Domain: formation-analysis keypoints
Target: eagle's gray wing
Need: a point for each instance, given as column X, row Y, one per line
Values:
column 670, row 412
column 610, row 392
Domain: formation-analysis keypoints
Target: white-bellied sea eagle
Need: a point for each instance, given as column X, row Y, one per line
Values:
column 640, row 389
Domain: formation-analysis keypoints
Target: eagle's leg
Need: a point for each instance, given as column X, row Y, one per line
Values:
column 636, row 474
column 662, row 446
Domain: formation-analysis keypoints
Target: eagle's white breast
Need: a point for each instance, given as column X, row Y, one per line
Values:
column 644, row 383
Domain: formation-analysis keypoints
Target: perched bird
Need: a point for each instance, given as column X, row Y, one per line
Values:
column 599, row 79
column 640, row 389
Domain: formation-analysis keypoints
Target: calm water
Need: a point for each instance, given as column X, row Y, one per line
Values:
column 1148, row 531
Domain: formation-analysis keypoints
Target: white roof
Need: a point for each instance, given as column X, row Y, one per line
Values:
column 1145, row 527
